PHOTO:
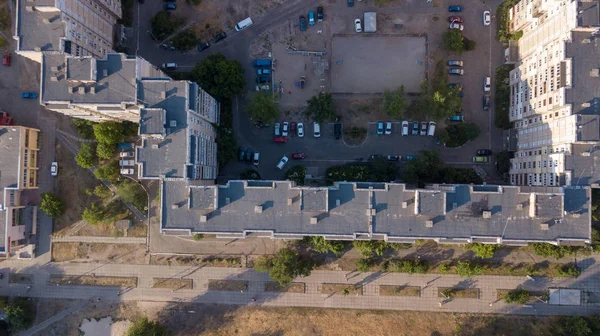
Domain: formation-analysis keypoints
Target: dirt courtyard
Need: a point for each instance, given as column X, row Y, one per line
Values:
column 371, row 64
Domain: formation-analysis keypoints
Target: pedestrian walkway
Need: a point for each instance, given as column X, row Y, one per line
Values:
column 76, row 138
column 95, row 239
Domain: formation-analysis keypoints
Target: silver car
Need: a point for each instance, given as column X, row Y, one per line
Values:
column 277, row 129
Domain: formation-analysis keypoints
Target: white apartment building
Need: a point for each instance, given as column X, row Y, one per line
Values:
column 552, row 87
column 74, row 27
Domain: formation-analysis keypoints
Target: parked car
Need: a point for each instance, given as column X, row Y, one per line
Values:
column 405, row 128
column 298, row 156
column 126, row 154
column 350, row 3
column 487, row 18
column 125, row 145
column 284, row 129
column 457, row 19
column 282, row 162
column 487, row 84
column 203, row 46
column 277, row 129
column 264, row 87
column 380, row 128
column 170, row 6
column 457, row 118
column 431, row 128
column 484, row 152
column 455, row 25
column 54, row 169
column 455, row 85
column 410, row 157
column 263, row 72
column 127, row 163
column 219, row 37
column 249, row 153
column 456, row 71
column 424, row 128
column 319, row 13
column 302, row 20
column 455, row 9
column 263, row 79
column 293, row 126
column 486, row 102
column 300, row 130
column 29, row 95
column 375, row 156
column 393, row 157
column 316, row 130
column 6, row 59
column 388, row 128
column 337, row 131
column 480, row 159
column 279, row 139
column 311, row 18
column 127, row 171
column 241, row 154
column 455, row 63
column 415, row 128
column 357, row 26
column 256, row 158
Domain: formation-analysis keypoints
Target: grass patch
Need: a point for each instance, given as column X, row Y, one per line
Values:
column 20, row 278
column 194, row 260
column 88, row 280
column 388, row 290
column 458, row 293
column 294, row 287
column 534, row 296
column 172, row 283
column 342, row 289
column 228, row 285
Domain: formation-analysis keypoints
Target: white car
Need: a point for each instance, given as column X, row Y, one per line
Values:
column 282, row 162
column 126, row 171
column 284, row 130
column 487, row 18
column 277, row 129
column 455, row 25
column 54, row 168
column 300, row 130
column 388, row 128
column 487, row 84
column 357, row 26
column 404, row 128
column 317, row 129
column 126, row 154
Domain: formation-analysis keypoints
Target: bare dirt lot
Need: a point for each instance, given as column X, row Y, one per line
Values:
column 84, row 252
column 294, row 287
column 89, row 280
column 386, row 290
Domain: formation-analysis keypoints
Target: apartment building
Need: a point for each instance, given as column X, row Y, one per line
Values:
column 19, row 148
column 554, row 90
column 73, row 27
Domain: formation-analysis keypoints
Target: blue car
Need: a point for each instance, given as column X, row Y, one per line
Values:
column 380, row 128
column 311, row 18
column 169, row 6
column 302, row 20
column 410, row 157
column 455, row 9
column 29, row 95
column 350, row 3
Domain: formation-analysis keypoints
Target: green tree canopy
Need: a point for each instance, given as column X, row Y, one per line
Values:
column 185, row 40
column 484, row 251
column 20, row 314
column 468, row 269
column 321, row 107
column 383, row 170
column 133, row 193
column 105, row 151
column 572, row 326
column 220, row 77
column 93, row 215
column 453, row 40
column 394, row 103
column 320, row 245
column 263, row 107
column 456, row 135
column 109, row 132
column 85, row 156
column 52, row 205
column 368, row 247
column 164, row 24
column 287, row 265
column 425, row 168
column 296, row 173
column 145, row 327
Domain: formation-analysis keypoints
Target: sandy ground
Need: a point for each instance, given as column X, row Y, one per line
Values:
column 84, row 252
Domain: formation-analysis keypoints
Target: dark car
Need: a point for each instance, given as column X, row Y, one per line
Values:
column 298, row 156
column 219, row 37
column 170, row 6
column 29, row 95
column 241, row 154
column 337, row 131
column 170, row 0
column 293, row 127
column 302, row 23
column 484, row 152
column 456, row 19
column 203, row 46
column 6, row 59
column 375, row 156
column 263, row 79
column 455, row 9
column 319, row 13
column 393, row 157
column 350, row 3
column 415, row 129
column 486, row 102
column 249, row 153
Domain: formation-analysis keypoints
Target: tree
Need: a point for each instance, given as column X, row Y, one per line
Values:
column 198, row 236
column 85, row 156
column 102, row 191
column 109, row 132
column 484, row 251
column 368, row 247
column 134, row 194
column 84, row 127
column 383, row 170
column 52, row 205
column 109, row 171
column 220, row 77
column 263, row 107
column 468, row 269
column 185, row 40
column 20, row 315
column 569, row 270
column 320, row 245
column 93, row 215
column 364, row 264
column 425, row 168
column 456, row 135
column 145, row 327
column 164, row 24
column 105, row 151
column 263, row 264
column 394, row 103
column 572, row 326
column 321, row 107
column 468, row 44
column 297, row 174
column 287, row 265
column 453, row 40
column 519, row 296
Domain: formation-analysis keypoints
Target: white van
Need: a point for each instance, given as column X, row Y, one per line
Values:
column 169, row 65
column 256, row 158
column 431, row 130
column 317, row 129
column 245, row 23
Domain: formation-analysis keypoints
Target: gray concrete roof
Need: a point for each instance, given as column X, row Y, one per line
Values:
column 588, row 14
column 584, row 165
column 152, row 121
column 585, row 82
column 9, row 171
column 33, row 32
column 167, row 156
column 454, row 212
column 113, row 79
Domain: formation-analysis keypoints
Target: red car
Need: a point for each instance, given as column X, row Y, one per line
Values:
column 456, row 19
column 298, row 156
column 280, row 139
column 293, row 128
column 6, row 59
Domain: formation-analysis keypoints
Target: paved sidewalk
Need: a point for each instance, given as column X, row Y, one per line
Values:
column 106, row 240
column 428, row 301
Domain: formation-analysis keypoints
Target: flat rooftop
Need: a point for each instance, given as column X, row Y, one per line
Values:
column 34, row 33
column 351, row 210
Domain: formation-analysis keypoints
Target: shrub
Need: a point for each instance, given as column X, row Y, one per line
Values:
column 52, row 205
column 185, row 40
column 364, row 264
column 263, row 264
column 321, row 107
column 134, row 194
column 20, row 314
column 502, row 97
column 145, row 327
column 296, row 173
column 287, row 265
column 456, row 135
column 93, row 215
column 198, row 236
column 468, row 269
column 85, row 156
column 484, row 251
column 368, row 247
column 320, row 245
column 444, row 268
column 569, row 270
column 517, row 296
column 453, row 40
column 468, row 44
column 407, row 266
